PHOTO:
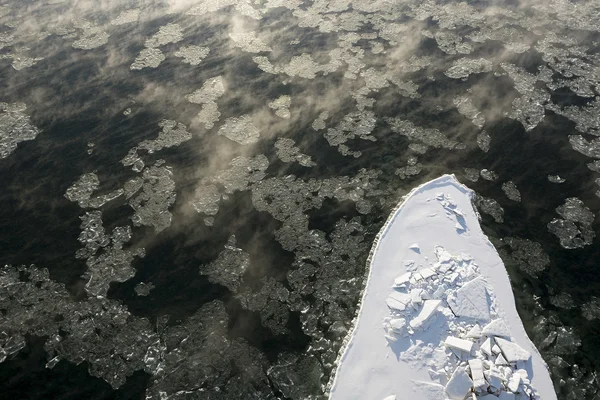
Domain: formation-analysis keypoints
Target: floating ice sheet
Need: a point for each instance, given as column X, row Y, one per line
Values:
column 113, row 263
column 490, row 207
column 465, row 106
column 528, row 255
column 427, row 136
column 512, row 192
column 229, row 267
column 172, row 134
column 248, row 42
column 92, row 37
column 207, row 95
column 127, row 17
column 192, row 55
column 157, row 195
column 574, row 229
column 320, row 123
column 81, row 192
column 463, row 67
column 281, row 106
column 170, row 33
column 240, row 130
column 148, row 58
column 143, row 288
column 21, row 61
column 484, row 140
column 353, row 125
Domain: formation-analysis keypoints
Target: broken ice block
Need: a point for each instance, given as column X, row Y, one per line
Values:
column 459, row 384
column 486, row 347
column 415, row 247
column 474, row 332
column 500, row 360
column 494, row 378
column 402, row 279
column 497, row 327
column 472, row 301
column 397, row 300
column 426, row 273
column 398, row 325
column 429, row 307
column 476, row 367
column 495, row 349
column 416, row 296
column 512, row 351
column 524, row 375
column 459, row 344
column 514, row 382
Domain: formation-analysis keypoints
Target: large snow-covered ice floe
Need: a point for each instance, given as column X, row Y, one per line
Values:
column 438, row 318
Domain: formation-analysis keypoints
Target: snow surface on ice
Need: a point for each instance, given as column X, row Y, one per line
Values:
column 421, row 309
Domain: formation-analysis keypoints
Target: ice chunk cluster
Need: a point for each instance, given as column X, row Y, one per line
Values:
column 240, row 130
column 148, row 58
column 229, row 267
column 92, row 36
column 81, row 192
column 127, row 17
column 249, row 42
column 465, row 106
column 427, row 136
column 527, row 254
column 170, row 33
column 192, row 55
column 208, row 95
column 115, row 344
column 463, row 67
column 96, row 330
column 15, row 127
column 490, row 207
column 475, row 356
column 151, row 56
column 354, row 125
column 143, row 288
column 154, row 198
column 113, row 264
column 242, row 172
column 282, row 106
column 288, row 152
column 413, row 167
column 574, row 229
column 172, row 134
column 512, row 192
column 529, row 109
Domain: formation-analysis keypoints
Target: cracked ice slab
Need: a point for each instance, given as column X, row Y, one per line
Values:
column 371, row 367
column 459, row 384
column 472, row 301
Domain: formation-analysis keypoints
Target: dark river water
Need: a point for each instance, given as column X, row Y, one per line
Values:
column 190, row 189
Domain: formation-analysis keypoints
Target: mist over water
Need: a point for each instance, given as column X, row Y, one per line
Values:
column 190, row 189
